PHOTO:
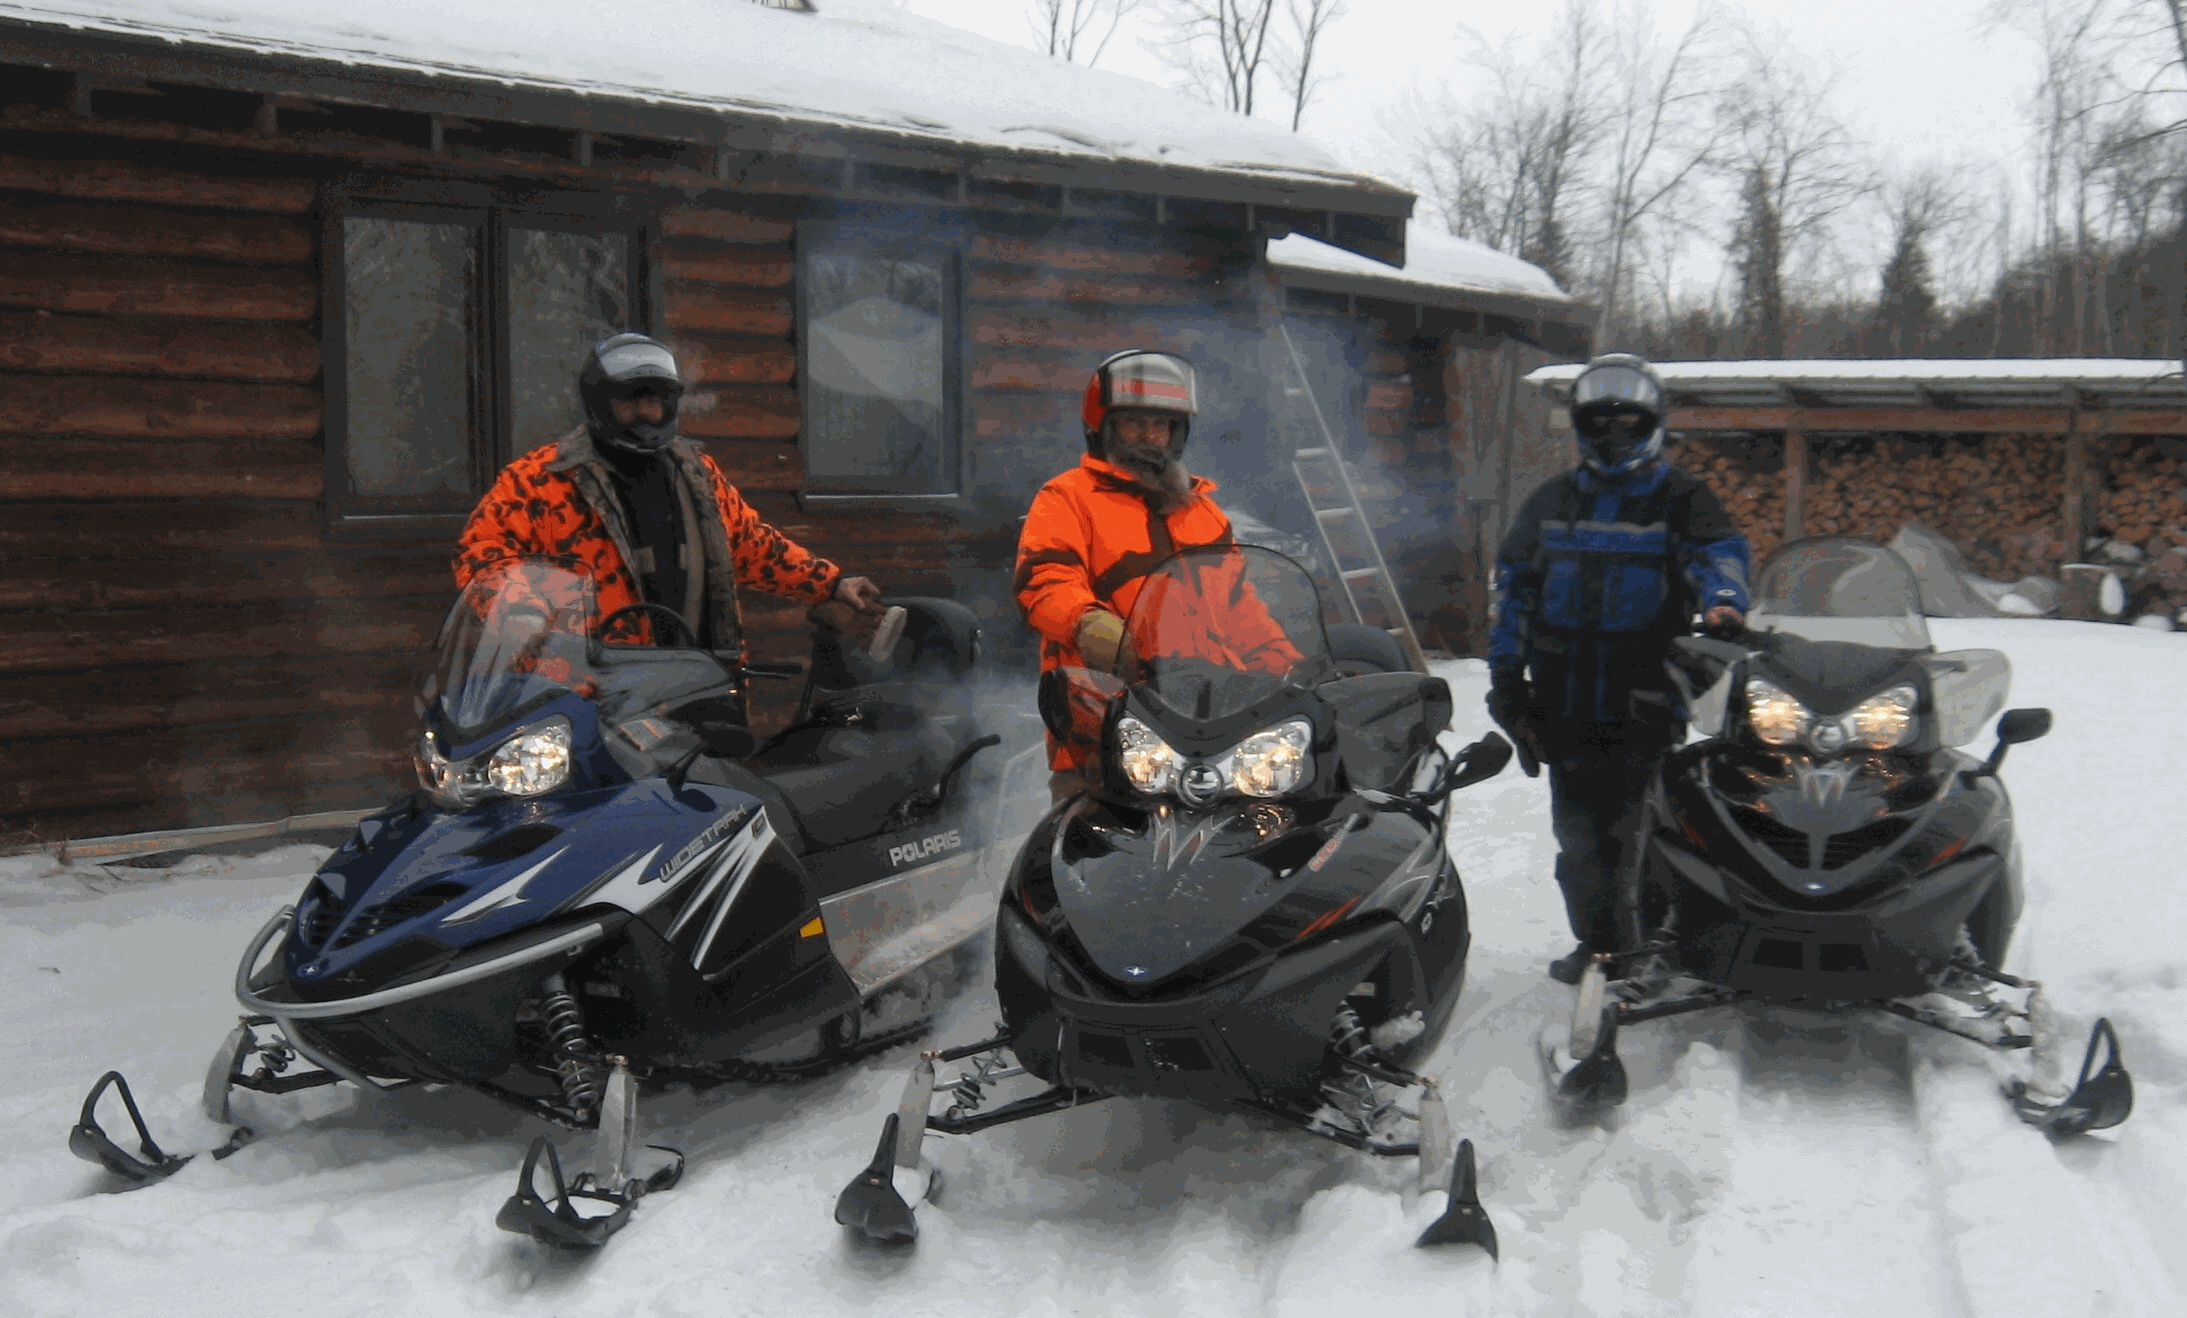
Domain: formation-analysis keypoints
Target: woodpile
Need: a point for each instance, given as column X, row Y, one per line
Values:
column 1751, row 486
column 2141, row 510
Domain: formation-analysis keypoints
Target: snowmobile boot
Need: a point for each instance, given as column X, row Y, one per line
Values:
column 1567, row 969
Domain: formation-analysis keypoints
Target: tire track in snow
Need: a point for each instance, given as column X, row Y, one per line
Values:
column 1833, row 1205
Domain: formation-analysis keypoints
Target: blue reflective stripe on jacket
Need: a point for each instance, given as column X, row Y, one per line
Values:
column 1597, row 574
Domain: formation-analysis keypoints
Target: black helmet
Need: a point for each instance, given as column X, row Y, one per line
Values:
column 1618, row 387
column 624, row 366
column 1145, row 380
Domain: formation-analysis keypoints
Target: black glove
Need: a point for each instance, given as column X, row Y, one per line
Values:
column 1511, row 704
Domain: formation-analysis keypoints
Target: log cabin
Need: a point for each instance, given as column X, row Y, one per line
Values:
column 280, row 291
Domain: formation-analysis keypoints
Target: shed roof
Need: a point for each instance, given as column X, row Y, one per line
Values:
column 1946, row 385
column 862, row 69
column 1446, row 272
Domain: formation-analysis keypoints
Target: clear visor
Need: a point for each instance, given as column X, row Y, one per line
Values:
column 1616, row 386
column 635, row 361
column 1155, row 381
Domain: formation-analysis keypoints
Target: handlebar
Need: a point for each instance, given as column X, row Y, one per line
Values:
column 787, row 671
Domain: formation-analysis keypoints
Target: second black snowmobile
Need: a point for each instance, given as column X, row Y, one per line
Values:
column 602, row 879
column 1256, row 911
column 1827, row 845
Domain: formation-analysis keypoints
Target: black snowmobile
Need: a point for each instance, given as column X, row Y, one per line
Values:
column 1256, row 911
column 1828, row 847
column 602, row 880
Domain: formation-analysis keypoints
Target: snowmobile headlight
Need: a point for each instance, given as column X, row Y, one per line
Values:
column 535, row 760
column 1274, row 760
column 1150, row 764
column 1883, row 722
column 1776, row 715
column 445, row 780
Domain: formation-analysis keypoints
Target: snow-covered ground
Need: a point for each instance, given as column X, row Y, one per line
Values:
column 1778, row 1167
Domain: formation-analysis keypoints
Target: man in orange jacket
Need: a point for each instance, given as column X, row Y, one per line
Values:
column 1095, row 531
column 648, row 516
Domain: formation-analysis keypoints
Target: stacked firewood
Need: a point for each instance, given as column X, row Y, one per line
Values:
column 2141, row 511
column 1997, row 498
column 1753, row 492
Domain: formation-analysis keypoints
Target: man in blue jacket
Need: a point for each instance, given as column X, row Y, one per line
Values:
column 1602, row 567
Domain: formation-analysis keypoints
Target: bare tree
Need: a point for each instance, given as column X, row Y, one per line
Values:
column 1239, row 32
column 1794, row 166
column 1511, row 171
column 1308, row 19
column 1660, row 137
column 1067, row 25
column 1921, row 206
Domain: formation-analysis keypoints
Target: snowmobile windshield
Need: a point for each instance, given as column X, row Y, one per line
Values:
column 516, row 638
column 1217, row 629
column 1839, row 589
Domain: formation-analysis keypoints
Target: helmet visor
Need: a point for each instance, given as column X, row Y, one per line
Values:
column 1617, row 387
column 1155, row 381
column 639, row 361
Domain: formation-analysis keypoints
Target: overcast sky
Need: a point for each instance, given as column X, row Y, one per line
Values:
column 1914, row 78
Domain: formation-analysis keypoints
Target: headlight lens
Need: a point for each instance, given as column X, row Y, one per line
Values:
column 1150, row 764
column 1883, row 722
column 1880, row 723
column 1273, row 761
column 534, row 761
column 1777, row 717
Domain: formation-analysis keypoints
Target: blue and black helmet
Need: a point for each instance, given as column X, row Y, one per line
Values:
column 1618, row 409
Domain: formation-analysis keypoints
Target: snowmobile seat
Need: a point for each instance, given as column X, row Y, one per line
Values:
column 843, row 781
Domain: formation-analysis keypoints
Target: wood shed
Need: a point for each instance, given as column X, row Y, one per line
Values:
column 2024, row 464
column 280, row 291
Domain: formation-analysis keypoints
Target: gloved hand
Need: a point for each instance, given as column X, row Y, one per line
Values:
column 858, row 592
column 1101, row 641
column 1723, row 622
column 1511, row 704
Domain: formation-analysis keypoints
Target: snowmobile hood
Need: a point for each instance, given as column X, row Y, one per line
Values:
column 413, row 886
column 1145, row 903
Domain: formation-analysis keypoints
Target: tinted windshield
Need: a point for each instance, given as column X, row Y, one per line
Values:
column 1219, row 628
column 515, row 639
column 1840, row 590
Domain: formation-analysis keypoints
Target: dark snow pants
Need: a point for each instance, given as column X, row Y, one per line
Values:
column 1598, row 783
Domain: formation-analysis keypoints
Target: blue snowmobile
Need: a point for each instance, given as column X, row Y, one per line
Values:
column 603, row 879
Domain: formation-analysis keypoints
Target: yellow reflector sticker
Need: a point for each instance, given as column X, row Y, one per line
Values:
column 812, row 928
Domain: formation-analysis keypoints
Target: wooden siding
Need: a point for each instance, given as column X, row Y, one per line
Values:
column 184, row 646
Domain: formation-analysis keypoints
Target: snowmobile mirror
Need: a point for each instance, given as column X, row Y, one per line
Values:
column 2014, row 727
column 1477, row 763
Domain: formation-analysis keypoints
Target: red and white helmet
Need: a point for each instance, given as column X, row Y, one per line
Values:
column 1142, row 379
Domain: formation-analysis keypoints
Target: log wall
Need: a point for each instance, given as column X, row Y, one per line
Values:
column 184, row 647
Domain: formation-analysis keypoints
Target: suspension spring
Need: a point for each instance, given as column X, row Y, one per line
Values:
column 581, row 1084
column 1348, row 1037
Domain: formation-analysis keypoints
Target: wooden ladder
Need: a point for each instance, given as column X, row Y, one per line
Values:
column 1367, row 589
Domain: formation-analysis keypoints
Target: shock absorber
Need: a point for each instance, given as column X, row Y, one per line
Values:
column 566, row 1037
column 1348, row 1037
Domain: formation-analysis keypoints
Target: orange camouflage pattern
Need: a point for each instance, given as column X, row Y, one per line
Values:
column 534, row 510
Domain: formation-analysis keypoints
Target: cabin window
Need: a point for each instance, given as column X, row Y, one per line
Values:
column 455, row 338
column 878, row 353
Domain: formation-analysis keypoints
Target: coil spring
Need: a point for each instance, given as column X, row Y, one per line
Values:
column 581, row 1084
column 1349, row 1037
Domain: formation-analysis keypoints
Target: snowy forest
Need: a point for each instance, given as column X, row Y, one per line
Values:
column 1701, row 184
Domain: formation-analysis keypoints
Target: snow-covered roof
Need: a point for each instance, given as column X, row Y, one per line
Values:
column 1909, row 382
column 1439, row 270
column 862, row 66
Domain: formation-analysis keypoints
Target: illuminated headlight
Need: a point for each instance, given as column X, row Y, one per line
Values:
column 1880, row 723
column 1150, row 764
column 537, row 760
column 1273, row 761
column 1776, row 716
column 1883, row 722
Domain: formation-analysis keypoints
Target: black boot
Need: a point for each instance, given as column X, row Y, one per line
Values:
column 1567, row 969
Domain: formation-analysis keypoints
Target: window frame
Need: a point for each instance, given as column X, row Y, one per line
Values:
column 490, row 213
column 820, row 237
